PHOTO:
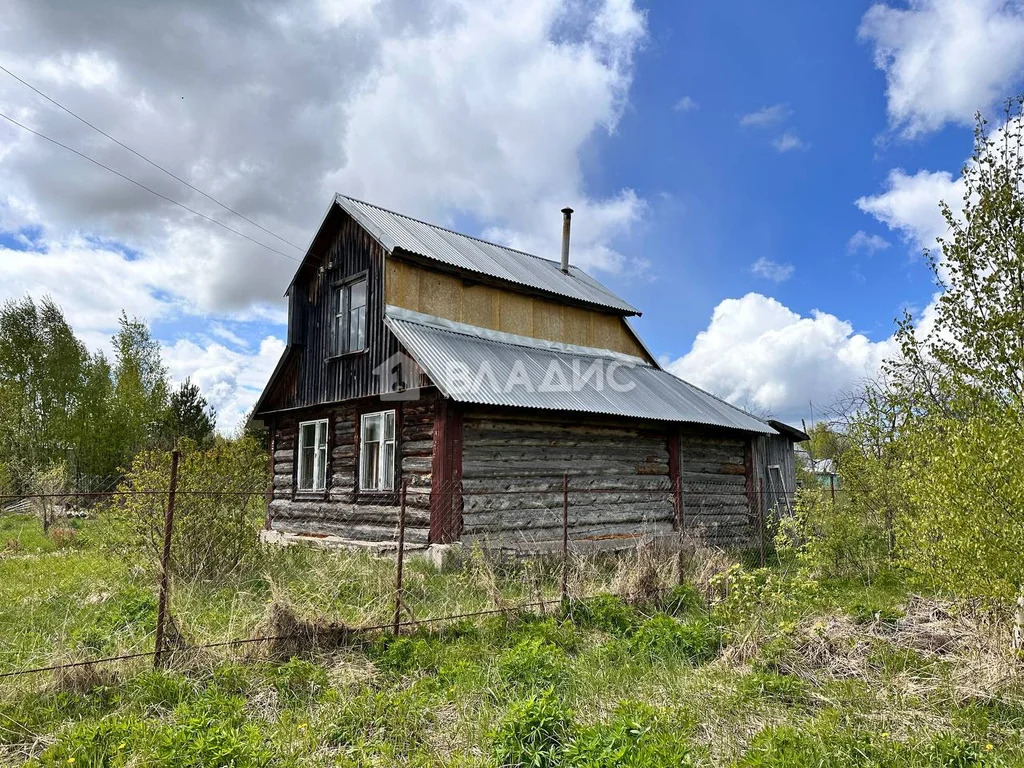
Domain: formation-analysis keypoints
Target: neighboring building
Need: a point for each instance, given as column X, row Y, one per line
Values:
column 823, row 470
column 480, row 376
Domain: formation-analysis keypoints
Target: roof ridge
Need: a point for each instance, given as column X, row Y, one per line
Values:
column 454, row 232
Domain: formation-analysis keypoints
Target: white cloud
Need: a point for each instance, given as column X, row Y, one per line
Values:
column 788, row 142
column 476, row 110
column 772, row 270
column 685, row 104
column 910, row 204
column 945, row 59
column 766, row 116
column 759, row 354
column 862, row 242
column 231, row 380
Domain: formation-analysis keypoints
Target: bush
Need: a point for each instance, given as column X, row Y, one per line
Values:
column 219, row 509
column 533, row 733
column 662, row 638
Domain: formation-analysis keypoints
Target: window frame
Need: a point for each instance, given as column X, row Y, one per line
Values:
column 321, row 455
column 386, row 476
column 341, row 314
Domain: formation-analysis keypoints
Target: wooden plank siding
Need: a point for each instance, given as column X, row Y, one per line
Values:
column 314, row 376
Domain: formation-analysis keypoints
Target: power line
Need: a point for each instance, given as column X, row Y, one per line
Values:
column 151, row 162
column 148, row 189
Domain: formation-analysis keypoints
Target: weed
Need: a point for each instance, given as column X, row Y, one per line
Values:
column 607, row 613
column 533, row 665
column 786, row 689
column 533, row 732
column 662, row 638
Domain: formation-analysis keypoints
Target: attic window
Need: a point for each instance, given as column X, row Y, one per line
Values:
column 349, row 333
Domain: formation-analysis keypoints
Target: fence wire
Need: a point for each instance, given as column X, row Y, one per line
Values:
column 106, row 571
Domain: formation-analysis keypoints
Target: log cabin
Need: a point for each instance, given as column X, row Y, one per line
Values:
column 491, row 389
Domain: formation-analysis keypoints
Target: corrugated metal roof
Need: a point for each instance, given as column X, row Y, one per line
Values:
column 476, row 365
column 394, row 230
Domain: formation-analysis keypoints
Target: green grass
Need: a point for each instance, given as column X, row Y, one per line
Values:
column 780, row 674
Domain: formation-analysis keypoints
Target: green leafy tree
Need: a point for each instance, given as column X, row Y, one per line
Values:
column 935, row 443
column 140, row 391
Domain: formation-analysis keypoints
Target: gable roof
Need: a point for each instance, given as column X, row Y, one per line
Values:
column 525, row 372
column 396, row 231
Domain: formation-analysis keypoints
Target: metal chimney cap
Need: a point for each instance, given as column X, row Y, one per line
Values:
column 567, row 211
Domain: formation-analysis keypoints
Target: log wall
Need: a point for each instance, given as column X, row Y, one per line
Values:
column 513, row 466
column 717, row 485
column 342, row 510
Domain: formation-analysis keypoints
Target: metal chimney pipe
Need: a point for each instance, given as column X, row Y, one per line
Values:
column 566, row 224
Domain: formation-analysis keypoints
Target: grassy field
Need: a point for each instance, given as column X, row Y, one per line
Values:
column 780, row 671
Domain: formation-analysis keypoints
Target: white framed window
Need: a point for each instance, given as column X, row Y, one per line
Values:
column 312, row 475
column 349, row 330
column 377, row 451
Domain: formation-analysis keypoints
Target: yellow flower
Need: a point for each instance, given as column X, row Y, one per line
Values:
column 989, row 747
column 302, row 725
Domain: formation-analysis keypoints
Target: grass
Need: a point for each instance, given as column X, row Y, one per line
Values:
column 778, row 673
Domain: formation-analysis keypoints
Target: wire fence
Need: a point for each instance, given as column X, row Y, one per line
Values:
column 181, row 567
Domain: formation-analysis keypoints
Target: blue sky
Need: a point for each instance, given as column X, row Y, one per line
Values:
column 760, row 179
column 723, row 196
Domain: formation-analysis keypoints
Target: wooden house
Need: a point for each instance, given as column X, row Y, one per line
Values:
column 493, row 385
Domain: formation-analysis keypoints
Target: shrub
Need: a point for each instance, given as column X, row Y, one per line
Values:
column 533, row 733
column 663, row 638
column 219, row 509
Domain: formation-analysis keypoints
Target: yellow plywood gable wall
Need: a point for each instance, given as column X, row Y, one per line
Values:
column 420, row 289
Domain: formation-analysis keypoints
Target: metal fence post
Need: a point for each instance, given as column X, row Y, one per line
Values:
column 761, row 517
column 165, row 562
column 677, row 497
column 565, row 537
column 832, row 483
column 396, row 626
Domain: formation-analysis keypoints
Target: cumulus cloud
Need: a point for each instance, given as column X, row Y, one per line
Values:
column 685, row 104
column 230, row 379
column 456, row 110
column 766, row 116
column 862, row 242
column 759, row 354
column 945, row 59
column 772, row 270
column 789, row 142
column 909, row 204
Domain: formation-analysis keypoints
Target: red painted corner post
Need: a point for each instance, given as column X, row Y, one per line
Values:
column 446, row 475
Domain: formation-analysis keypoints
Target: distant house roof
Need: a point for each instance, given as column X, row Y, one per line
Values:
column 532, row 373
column 429, row 241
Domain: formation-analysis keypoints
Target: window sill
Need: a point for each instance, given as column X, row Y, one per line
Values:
column 310, row 495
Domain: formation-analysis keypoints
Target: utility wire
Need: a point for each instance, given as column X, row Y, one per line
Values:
column 148, row 189
column 151, row 162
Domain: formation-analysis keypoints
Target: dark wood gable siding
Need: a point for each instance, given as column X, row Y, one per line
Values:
column 320, row 378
